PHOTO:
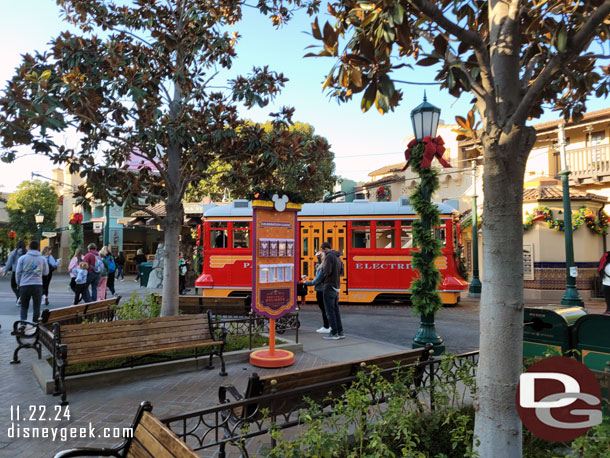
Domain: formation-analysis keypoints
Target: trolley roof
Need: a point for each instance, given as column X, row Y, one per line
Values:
column 243, row 208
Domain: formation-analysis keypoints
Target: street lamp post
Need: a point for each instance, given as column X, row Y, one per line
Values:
column 39, row 217
column 425, row 119
column 474, row 290
column 570, row 296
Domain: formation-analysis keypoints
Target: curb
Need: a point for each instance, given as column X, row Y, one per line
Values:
column 44, row 372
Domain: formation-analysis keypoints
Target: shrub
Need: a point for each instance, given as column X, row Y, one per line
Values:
column 137, row 307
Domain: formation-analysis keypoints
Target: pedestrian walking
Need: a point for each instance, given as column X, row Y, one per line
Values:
column 74, row 264
column 31, row 267
column 109, row 267
column 47, row 253
column 139, row 258
column 96, row 267
column 319, row 288
column 11, row 267
column 331, row 282
column 80, row 280
column 604, row 270
column 120, row 263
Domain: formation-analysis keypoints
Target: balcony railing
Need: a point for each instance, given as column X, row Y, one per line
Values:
column 591, row 162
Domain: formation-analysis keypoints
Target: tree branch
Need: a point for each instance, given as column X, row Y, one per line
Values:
column 576, row 45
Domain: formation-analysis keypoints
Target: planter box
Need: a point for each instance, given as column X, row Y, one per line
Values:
column 44, row 372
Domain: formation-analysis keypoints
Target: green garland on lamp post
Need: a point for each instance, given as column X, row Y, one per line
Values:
column 419, row 154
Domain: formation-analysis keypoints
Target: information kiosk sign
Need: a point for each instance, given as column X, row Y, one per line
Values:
column 274, row 270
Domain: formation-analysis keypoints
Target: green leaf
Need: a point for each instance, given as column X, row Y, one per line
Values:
column 369, row 97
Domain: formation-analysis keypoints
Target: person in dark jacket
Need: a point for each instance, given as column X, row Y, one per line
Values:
column 120, row 263
column 11, row 266
column 319, row 288
column 139, row 258
column 331, row 282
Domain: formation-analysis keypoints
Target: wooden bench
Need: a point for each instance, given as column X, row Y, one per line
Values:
column 233, row 309
column 28, row 334
column 151, row 438
column 319, row 384
column 85, row 343
column 220, row 306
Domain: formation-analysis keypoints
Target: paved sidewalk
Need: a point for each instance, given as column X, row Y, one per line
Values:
column 110, row 406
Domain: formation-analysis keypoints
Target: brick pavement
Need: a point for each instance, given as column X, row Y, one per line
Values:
column 111, row 406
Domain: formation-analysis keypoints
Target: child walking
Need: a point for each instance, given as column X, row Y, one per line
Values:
column 80, row 281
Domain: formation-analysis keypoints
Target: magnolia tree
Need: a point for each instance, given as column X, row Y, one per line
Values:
column 135, row 84
column 513, row 57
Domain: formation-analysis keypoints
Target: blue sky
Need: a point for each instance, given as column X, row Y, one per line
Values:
column 361, row 142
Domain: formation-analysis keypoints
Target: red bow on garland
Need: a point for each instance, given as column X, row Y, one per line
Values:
column 434, row 149
column 76, row 218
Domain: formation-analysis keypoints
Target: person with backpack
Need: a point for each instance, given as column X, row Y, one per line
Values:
column 604, row 270
column 31, row 267
column 109, row 267
column 96, row 267
column 11, row 266
column 47, row 252
column 319, row 288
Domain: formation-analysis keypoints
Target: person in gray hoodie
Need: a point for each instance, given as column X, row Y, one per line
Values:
column 31, row 267
column 11, row 266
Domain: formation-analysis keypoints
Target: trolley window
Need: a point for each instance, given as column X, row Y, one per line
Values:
column 385, row 234
column 241, row 235
column 361, row 234
column 440, row 234
column 406, row 234
column 219, row 234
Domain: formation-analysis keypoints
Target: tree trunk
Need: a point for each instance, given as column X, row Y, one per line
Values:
column 497, row 424
column 172, row 227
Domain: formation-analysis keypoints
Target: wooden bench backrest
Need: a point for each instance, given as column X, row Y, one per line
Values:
column 155, row 440
column 336, row 371
column 75, row 313
column 117, row 339
column 231, row 306
column 313, row 380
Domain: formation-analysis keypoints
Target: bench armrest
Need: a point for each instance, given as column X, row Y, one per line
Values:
column 19, row 328
column 220, row 333
column 223, row 390
column 87, row 451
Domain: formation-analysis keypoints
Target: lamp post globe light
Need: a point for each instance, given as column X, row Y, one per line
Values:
column 39, row 217
column 425, row 119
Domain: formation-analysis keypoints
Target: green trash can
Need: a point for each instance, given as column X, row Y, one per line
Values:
column 145, row 270
column 547, row 331
column 591, row 338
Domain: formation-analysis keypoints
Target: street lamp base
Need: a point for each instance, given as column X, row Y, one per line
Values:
column 571, row 298
column 427, row 335
column 474, row 290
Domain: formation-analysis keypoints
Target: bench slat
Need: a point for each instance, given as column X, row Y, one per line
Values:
column 139, row 322
column 137, row 450
column 96, row 340
column 125, row 345
column 86, row 358
column 105, row 333
column 166, row 437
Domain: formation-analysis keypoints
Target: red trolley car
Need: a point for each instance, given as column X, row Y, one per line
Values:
column 374, row 239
